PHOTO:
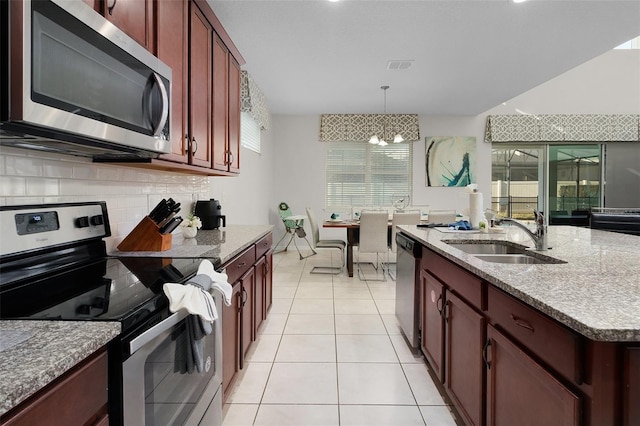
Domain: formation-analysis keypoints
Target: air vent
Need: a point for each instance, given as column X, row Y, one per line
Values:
column 399, row 65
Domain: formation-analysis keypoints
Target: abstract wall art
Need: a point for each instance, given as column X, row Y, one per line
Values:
column 450, row 160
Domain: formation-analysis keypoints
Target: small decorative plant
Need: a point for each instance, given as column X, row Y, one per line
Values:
column 192, row 222
column 190, row 226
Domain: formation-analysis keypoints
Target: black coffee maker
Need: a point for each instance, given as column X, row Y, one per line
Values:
column 210, row 213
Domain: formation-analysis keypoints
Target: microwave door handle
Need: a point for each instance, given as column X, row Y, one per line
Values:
column 165, row 105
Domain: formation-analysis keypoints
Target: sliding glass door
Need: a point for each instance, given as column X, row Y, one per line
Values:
column 564, row 180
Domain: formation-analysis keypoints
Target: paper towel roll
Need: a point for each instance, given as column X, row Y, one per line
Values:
column 475, row 209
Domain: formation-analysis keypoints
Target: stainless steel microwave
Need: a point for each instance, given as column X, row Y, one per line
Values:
column 72, row 82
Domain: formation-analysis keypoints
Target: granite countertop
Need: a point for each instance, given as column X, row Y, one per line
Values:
column 596, row 293
column 34, row 353
column 224, row 243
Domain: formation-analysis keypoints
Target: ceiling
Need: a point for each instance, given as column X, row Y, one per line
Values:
column 316, row 56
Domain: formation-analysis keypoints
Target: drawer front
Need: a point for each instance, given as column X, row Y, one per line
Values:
column 466, row 285
column 263, row 245
column 550, row 341
column 240, row 264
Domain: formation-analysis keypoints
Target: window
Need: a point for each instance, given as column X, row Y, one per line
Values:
column 361, row 174
column 571, row 185
column 249, row 132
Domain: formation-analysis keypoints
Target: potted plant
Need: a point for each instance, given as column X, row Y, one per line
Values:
column 190, row 226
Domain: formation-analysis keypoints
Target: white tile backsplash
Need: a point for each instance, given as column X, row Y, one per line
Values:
column 31, row 177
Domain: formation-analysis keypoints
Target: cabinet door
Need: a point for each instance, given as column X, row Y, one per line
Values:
column 172, row 18
column 631, row 397
column 200, row 90
column 134, row 17
column 260, row 287
column 521, row 392
column 432, row 323
column 231, row 338
column 464, row 339
column 247, row 321
column 220, row 105
column 268, row 282
column 234, row 116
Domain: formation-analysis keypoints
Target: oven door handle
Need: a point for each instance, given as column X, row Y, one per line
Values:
column 156, row 330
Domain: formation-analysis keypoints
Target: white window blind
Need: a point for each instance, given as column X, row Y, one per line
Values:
column 249, row 132
column 361, row 174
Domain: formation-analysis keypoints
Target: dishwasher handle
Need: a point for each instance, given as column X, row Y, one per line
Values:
column 408, row 245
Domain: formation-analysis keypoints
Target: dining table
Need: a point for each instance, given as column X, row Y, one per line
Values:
column 353, row 237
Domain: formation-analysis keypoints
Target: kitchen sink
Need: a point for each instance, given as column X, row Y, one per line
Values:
column 496, row 251
column 493, row 247
column 517, row 259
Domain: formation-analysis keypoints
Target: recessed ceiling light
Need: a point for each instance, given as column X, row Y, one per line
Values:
column 334, row 1
column 518, row 1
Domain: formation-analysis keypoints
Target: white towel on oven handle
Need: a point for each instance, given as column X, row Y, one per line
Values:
column 192, row 298
column 219, row 280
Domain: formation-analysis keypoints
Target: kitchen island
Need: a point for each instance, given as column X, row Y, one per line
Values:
column 560, row 340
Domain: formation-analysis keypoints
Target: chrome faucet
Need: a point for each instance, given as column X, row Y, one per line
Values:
column 539, row 236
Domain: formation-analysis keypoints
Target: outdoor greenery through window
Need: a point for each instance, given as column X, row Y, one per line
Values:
column 361, row 174
column 574, row 180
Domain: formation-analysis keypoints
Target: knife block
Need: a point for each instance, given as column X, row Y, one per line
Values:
column 146, row 236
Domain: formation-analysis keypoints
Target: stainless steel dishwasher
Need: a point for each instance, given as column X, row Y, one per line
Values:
column 408, row 288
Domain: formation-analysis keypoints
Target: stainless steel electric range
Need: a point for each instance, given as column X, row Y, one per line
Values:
column 54, row 266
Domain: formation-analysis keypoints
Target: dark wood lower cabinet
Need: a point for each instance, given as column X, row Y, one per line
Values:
column 432, row 342
column 231, row 339
column 631, row 387
column 464, row 366
column 79, row 397
column 251, row 299
column 521, row 392
column 247, row 315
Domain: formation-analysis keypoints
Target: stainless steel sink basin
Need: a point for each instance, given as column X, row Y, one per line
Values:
column 497, row 251
column 496, row 247
column 517, row 259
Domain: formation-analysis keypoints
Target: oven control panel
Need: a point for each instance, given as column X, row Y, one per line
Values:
column 35, row 227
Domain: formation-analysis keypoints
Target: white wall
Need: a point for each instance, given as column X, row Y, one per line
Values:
column 246, row 199
column 609, row 84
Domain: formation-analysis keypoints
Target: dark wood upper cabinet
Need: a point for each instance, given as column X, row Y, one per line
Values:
column 200, row 88
column 220, row 105
column 172, row 48
column 205, row 89
column 134, row 17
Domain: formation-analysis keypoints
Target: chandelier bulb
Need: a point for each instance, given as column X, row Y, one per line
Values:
column 374, row 140
column 398, row 138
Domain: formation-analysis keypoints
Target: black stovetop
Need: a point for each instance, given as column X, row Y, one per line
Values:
column 124, row 289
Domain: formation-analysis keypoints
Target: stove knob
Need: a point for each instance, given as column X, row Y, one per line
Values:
column 97, row 220
column 82, row 222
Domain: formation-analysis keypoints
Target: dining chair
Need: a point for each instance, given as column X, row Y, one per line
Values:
column 329, row 244
column 294, row 226
column 374, row 228
column 407, row 217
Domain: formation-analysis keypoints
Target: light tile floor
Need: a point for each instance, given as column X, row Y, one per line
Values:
column 331, row 353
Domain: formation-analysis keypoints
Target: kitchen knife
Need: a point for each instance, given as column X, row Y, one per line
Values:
column 156, row 210
column 171, row 225
column 166, row 220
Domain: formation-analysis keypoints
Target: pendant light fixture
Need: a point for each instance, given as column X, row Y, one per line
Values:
column 380, row 139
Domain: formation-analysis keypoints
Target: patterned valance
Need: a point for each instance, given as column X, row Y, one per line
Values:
column 547, row 128
column 360, row 127
column 253, row 101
